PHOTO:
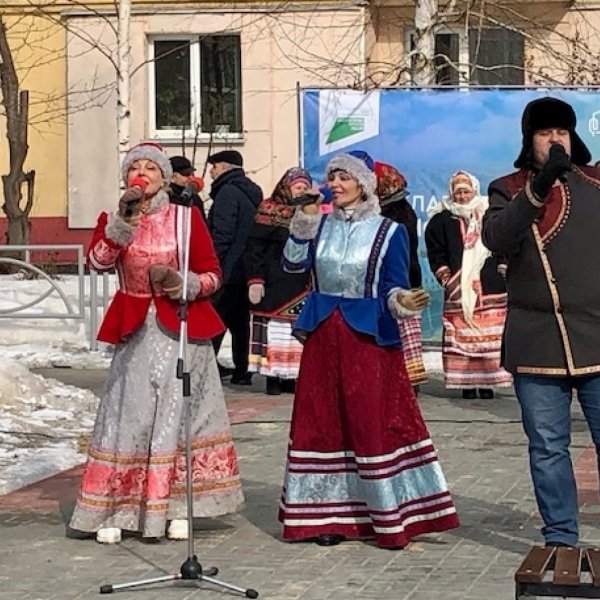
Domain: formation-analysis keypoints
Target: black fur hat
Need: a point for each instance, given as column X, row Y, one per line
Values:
column 546, row 113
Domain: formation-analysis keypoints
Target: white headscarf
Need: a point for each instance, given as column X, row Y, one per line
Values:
column 474, row 252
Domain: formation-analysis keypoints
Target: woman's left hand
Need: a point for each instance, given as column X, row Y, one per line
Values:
column 415, row 300
column 166, row 279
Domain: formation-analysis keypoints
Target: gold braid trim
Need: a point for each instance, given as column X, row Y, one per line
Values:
column 555, row 299
column 531, row 196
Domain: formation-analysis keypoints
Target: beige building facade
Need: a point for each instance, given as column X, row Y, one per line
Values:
column 228, row 75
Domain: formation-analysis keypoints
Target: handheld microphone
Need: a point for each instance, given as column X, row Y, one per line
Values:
column 557, row 152
column 138, row 183
column 195, row 185
column 312, row 197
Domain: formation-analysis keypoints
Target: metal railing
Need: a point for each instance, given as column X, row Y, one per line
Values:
column 72, row 310
column 94, row 305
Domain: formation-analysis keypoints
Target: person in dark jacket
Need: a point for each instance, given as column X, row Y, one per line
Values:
column 183, row 171
column 231, row 216
column 276, row 297
column 544, row 218
column 474, row 291
column 392, row 192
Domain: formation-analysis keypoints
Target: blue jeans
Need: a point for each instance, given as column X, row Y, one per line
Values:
column 546, row 411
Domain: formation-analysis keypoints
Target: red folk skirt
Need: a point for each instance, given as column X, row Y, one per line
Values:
column 360, row 462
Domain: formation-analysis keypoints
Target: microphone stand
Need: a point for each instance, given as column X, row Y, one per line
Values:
column 191, row 569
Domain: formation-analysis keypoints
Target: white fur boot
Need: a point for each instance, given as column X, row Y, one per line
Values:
column 108, row 535
column 178, row 529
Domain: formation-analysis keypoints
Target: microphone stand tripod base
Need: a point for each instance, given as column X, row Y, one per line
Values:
column 191, row 570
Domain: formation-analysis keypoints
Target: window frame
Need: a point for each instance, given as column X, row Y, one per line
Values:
column 167, row 135
column 464, row 66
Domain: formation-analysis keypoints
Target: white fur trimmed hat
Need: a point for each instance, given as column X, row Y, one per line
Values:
column 148, row 151
column 358, row 169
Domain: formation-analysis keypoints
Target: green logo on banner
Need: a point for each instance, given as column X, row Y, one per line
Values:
column 345, row 127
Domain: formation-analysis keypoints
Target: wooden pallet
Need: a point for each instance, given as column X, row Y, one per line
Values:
column 550, row 571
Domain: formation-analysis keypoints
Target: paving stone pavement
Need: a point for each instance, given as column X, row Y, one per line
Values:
column 484, row 456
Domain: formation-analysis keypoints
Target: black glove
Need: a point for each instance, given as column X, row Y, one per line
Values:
column 556, row 167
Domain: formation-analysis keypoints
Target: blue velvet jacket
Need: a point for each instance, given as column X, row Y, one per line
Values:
column 358, row 264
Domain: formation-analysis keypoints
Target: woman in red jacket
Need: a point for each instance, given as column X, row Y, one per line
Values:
column 135, row 473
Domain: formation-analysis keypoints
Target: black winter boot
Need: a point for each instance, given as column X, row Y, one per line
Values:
column 273, row 386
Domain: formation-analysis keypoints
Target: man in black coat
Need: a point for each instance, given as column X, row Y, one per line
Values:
column 235, row 201
column 544, row 219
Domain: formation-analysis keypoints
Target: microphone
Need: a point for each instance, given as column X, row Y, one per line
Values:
column 195, row 185
column 312, row 197
column 557, row 153
column 138, row 183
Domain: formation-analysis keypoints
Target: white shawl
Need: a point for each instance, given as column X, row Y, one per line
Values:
column 474, row 252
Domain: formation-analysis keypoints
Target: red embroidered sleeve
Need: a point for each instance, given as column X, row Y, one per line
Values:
column 102, row 252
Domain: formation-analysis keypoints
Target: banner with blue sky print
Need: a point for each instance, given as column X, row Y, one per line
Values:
column 428, row 135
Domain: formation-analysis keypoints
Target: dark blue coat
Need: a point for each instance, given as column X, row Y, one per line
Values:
column 235, row 200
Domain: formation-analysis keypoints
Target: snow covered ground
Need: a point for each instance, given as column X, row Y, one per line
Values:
column 42, row 424
column 43, row 421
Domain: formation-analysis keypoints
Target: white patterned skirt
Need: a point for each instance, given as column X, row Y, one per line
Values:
column 274, row 351
column 135, row 476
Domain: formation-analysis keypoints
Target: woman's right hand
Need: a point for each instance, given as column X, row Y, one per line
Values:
column 443, row 275
column 310, row 209
column 313, row 208
column 130, row 206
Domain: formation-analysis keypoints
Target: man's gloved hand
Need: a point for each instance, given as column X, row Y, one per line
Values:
column 558, row 164
column 415, row 300
column 256, row 292
column 166, row 279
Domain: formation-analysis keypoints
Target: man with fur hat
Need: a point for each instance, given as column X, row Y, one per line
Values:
column 544, row 219
column 235, row 202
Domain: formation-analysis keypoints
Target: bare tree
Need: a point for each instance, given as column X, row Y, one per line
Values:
column 16, row 106
column 424, row 42
column 23, row 111
column 560, row 50
column 123, row 76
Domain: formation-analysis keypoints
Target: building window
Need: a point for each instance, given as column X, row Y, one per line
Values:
column 446, row 59
column 488, row 57
column 496, row 57
column 195, row 85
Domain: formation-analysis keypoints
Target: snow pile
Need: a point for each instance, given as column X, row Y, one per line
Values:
column 42, row 425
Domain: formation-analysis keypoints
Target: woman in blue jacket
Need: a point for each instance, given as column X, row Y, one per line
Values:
column 360, row 461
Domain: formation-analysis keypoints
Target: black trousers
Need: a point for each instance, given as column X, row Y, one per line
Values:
column 233, row 307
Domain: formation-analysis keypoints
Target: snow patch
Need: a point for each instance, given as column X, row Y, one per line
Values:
column 42, row 422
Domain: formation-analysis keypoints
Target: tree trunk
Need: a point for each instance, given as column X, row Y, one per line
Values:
column 124, row 75
column 424, row 49
column 18, row 232
column 16, row 108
